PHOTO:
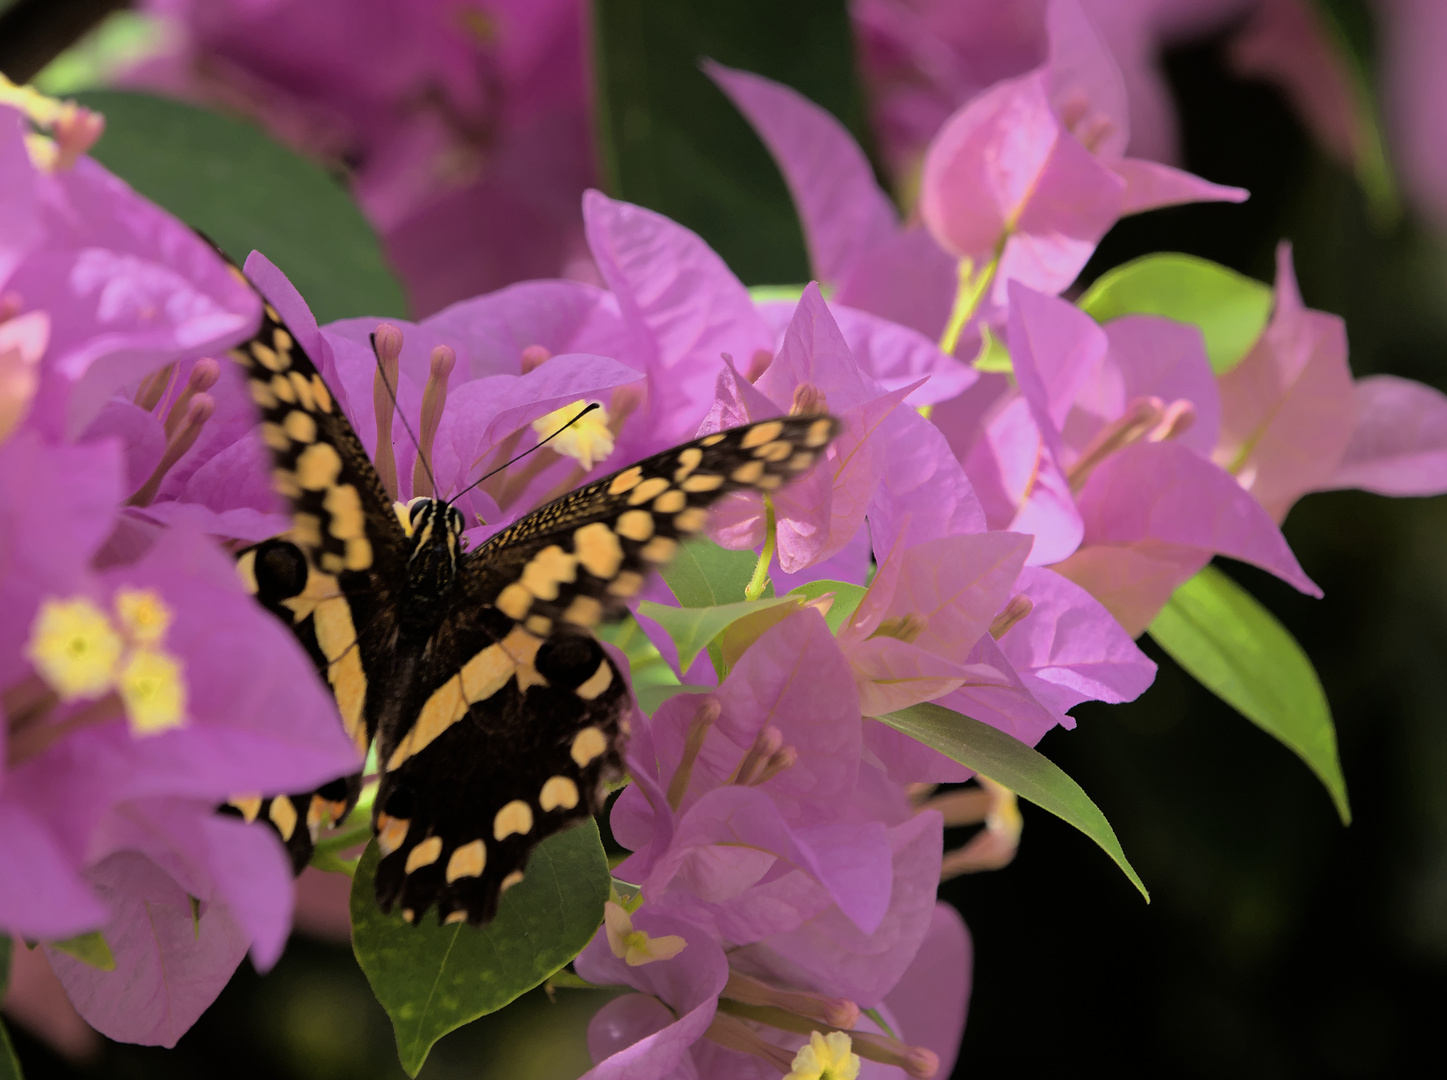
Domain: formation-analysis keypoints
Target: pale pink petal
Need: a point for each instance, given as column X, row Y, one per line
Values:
column 1399, row 443
column 1086, row 87
column 1069, row 649
column 1150, row 185
column 895, row 356
column 932, row 998
column 909, row 280
column 814, row 351
column 1287, row 409
column 36, row 1000
column 844, row 214
column 1133, row 581
column 682, row 303
column 170, row 964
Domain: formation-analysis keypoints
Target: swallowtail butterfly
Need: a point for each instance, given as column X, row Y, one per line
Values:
column 498, row 718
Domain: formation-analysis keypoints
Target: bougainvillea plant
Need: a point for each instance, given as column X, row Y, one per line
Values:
column 1027, row 480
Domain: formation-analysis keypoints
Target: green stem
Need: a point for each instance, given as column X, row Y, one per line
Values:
column 760, row 579
column 968, row 295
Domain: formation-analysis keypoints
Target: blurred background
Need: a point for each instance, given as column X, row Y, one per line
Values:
column 1277, row 943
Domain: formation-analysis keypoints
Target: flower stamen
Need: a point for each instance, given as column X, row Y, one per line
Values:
column 994, row 846
column 202, row 378
column 1015, row 611
column 1140, row 416
column 434, row 400
column 734, row 1034
column 387, row 344
column 198, row 410
column 836, row 1012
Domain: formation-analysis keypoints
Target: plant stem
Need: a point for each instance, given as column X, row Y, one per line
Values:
column 760, row 580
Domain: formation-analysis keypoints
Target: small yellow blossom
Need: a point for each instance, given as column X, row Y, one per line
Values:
column 74, row 648
column 825, row 1057
column 634, row 947
column 153, row 692
column 589, row 440
column 144, row 615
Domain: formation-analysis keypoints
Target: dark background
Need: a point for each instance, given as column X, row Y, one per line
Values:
column 1277, row 944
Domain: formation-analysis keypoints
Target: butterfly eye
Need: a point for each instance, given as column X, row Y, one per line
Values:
column 416, row 506
column 455, row 520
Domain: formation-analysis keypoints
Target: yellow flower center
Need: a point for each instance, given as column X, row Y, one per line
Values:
column 143, row 614
column 588, row 441
column 81, row 653
column 635, row 947
column 153, row 692
column 825, row 1057
column 74, row 648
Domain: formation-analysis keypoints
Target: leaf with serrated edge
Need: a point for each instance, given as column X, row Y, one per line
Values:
column 1235, row 648
column 433, row 979
column 1008, row 761
column 1231, row 310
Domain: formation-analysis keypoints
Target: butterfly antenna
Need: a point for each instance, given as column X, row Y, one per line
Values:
column 540, row 444
column 392, row 394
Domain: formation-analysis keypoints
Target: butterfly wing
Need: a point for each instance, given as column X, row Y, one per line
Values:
column 517, row 723
column 343, row 524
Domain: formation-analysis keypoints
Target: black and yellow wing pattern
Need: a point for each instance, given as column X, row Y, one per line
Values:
column 498, row 719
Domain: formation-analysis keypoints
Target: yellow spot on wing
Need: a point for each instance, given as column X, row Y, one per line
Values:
column 660, row 549
column 511, row 880
column 515, row 817
column 424, row 854
column 391, row 833
column 246, row 570
column 703, row 482
column 774, row 451
column 345, row 506
column 283, row 816
column 546, row 570
column 670, row 502
column 690, row 520
column 514, row 601
column 467, row 861
column 627, row 480
column 588, row 744
column 275, row 437
column 712, row 440
column 300, row 426
column 635, row 525
column 688, row 460
column 654, row 485
column 318, row 467
column 597, row 548
column 559, row 791
column 249, row 805
column 820, row 432
column 584, row 611
column 761, row 433
column 748, row 473
column 597, row 682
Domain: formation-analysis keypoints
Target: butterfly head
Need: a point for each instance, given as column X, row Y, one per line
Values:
column 435, row 534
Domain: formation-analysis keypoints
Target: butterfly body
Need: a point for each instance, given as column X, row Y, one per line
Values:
column 496, row 715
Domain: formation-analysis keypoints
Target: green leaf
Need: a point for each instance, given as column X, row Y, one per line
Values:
column 692, row 628
column 1230, row 309
column 9, row 1063
column 5, row 946
column 1008, row 761
column 847, row 598
column 433, row 979
column 89, row 949
column 1234, row 647
column 702, row 574
column 245, row 191
column 669, row 140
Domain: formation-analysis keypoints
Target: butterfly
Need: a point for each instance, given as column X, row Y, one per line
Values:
column 497, row 717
